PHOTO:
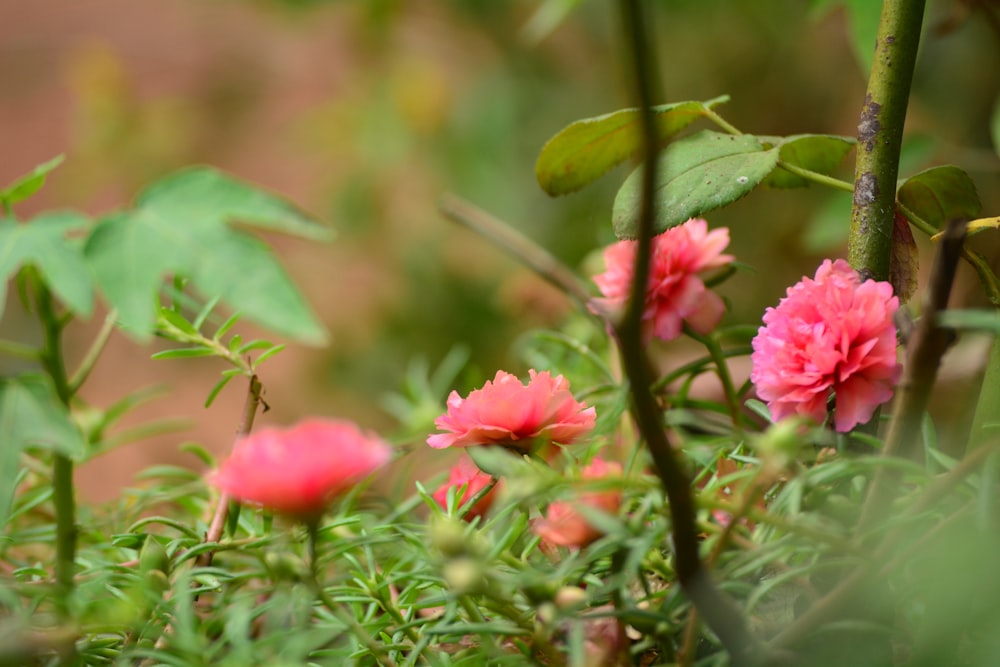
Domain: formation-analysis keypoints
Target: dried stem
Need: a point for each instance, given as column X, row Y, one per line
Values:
column 222, row 507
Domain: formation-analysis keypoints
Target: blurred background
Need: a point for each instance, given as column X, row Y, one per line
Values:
column 364, row 113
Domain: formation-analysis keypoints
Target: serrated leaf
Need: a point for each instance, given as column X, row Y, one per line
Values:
column 31, row 416
column 43, row 243
column 27, row 185
column 181, row 226
column 940, row 194
column 587, row 149
column 696, row 174
column 821, row 153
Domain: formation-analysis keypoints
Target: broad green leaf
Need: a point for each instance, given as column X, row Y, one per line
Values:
column 816, row 152
column 30, row 415
column 181, row 225
column 587, row 149
column 29, row 184
column 43, row 243
column 940, row 194
column 696, row 174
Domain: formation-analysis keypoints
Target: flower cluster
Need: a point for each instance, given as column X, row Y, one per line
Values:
column 675, row 294
column 833, row 333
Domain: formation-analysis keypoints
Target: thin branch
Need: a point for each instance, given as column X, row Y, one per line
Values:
column 215, row 528
column 521, row 247
column 927, row 345
column 90, row 359
column 720, row 614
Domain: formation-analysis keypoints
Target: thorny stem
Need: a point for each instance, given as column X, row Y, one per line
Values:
column 718, row 611
column 215, row 528
column 880, row 135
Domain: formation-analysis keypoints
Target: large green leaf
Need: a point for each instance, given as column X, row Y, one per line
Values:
column 29, row 184
column 30, row 415
column 43, row 242
column 695, row 175
column 587, row 149
column 940, row 194
column 181, row 225
column 816, row 152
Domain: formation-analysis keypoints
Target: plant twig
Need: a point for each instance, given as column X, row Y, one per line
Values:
column 524, row 249
column 720, row 614
column 880, row 135
column 215, row 528
column 927, row 344
column 87, row 365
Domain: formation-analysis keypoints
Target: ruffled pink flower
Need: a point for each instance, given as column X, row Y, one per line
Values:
column 564, row 525
column 834, row 334
column 470, row 480
column 507, row 412
column 675, row 294
column 299, row 470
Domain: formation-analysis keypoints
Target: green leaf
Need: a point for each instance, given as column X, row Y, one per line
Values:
column 30, row 415
column 816, row 152
column 940, row 194
column 995, row 126
column 181, row 226
column 587, row 149
column 696, row 174
column 22, row 188
column 43, row 243
column 184, row 353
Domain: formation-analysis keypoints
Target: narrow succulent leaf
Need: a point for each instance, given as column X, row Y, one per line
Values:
column 587, row 149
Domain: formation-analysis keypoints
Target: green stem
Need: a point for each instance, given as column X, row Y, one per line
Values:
column 816, row 177
column 19, row 350
column 62, row 467
column 880, row 135
column 974, row 259
column 90, row 359
column 722, row 369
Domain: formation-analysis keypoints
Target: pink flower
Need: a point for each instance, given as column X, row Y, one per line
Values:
column 833, row 333
column 466, row 474
column 506, row 412
column 301, row 469
column 675, row 294
column 564, row 525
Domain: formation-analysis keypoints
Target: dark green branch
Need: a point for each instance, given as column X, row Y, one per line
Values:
column 880, row 134
column 719, row 613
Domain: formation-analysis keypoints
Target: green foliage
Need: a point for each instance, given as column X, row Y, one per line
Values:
column 43, row 242
column 695, row 175
column 27, row 185
column 939, row 195
column 182, row 225
column 820, row 153
column 31, row 416
column 585, row 150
